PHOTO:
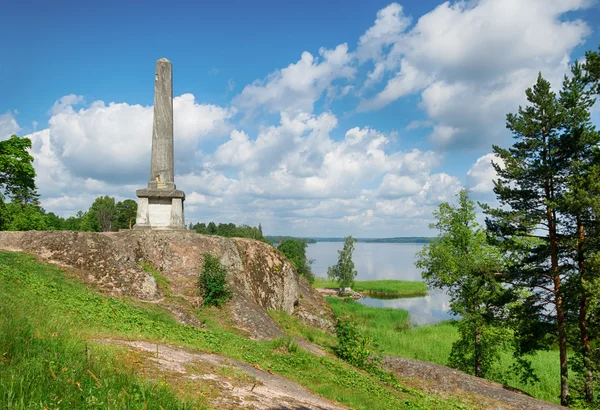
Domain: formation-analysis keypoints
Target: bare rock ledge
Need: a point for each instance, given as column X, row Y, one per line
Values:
column 259, row 274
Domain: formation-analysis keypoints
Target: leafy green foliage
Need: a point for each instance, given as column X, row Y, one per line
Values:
column 353, row 346
column 461, row 262
column 16, row 170
column 126, row 213
column 343, row 271
column 295, row 251
column 213, row 282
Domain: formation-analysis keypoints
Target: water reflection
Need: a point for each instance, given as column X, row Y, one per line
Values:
column 423, row 310
column 374, row 261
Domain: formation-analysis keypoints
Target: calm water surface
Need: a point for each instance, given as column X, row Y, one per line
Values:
column 374, row 261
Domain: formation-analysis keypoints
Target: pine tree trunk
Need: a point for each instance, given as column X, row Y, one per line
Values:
column 478, row 364
column 586, row 350
column 560, row 313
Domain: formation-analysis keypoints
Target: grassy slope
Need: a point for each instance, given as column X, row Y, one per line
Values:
column 433, row 344
column 381, row 287
column 57, row 305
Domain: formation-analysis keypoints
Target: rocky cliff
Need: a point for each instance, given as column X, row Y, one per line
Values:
column 260, row 276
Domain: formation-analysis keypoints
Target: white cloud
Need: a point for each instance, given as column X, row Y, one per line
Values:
column 481, row 175
column 387, row 29
column 113, row 142
column 8, row 125
column 102, row 149
column 472, row 60
column 297, row 87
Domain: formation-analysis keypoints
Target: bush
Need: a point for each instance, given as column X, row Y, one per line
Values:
column 354, row 347
column 213, row 283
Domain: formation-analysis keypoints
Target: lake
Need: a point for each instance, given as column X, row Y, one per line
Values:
column 374, row 261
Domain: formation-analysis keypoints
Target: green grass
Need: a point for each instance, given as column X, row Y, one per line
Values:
column 58, row 304
column 390, row 288
column 433, row 344
column 55, row 369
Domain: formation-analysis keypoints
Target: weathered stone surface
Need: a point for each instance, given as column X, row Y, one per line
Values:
column 442, row 380
column 161, row 169
column 259, row 274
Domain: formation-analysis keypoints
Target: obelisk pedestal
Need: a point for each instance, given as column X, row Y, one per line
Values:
column 160, row 206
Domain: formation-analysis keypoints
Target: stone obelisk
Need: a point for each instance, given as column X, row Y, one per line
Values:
column 160, row 206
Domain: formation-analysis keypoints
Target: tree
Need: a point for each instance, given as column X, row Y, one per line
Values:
column 592, row 68
column 528, row 187
column 295, row 251
column 54, row 222
column 102, row 214
column 17, row 175
column 126, row 213
column 26, row 217
column 212, row 229
column 580, row 207
column 343, row 271
column 462, row 263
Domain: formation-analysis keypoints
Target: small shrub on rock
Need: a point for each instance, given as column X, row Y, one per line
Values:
column 213, row 283
column 353, row 346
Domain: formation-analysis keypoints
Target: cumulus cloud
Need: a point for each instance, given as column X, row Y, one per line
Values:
column 471, row 61
column 481, row 175
column 298, row 86
column 113, row 141
column 96, row 149
column 8, row 125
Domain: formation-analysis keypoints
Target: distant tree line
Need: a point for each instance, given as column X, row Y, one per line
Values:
column 229, row 230
column 20, row 208
column 277, row 239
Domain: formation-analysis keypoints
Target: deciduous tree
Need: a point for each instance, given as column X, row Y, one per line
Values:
column 462, row 263
column 343, row 271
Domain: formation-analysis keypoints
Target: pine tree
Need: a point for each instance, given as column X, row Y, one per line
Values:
column 580, row 206
column 531, row 181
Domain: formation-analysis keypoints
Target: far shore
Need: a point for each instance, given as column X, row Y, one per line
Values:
column 379, row 288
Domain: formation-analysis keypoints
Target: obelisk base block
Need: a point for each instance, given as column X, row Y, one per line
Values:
column 160, row 209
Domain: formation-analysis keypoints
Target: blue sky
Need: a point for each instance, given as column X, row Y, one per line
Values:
column 313, row 118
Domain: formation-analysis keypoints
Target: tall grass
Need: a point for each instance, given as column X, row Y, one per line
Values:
column 44, row 369
column 433, row 344
column 397, row 288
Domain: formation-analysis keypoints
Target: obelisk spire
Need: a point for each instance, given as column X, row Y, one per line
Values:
column 161, row 167
column 160, row 206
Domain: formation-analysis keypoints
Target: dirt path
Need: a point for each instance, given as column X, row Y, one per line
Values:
column 479, row 392
column 226, row 383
